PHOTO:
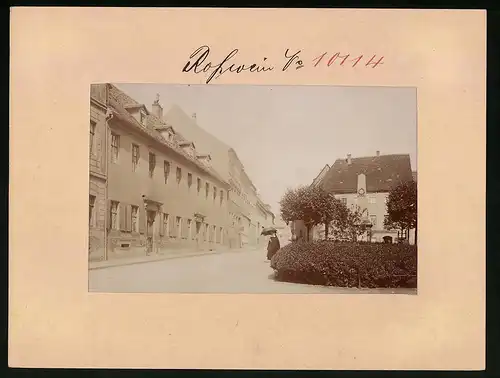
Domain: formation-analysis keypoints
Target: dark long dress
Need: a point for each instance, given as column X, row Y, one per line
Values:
column 272, row 247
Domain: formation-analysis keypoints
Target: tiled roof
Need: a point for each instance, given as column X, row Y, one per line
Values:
column 186, row 143
column 317, row 180
column 136, row 106
column 119, row 96
column 116, row 101
column 204, row 140
column 218, row 150
column 382, row 173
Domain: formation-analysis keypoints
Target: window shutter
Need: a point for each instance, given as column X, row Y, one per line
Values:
column 126, row 214
column 122, row 216
column 130, row 218
column 173, row 230
column 142, row 220
column 109, row 215
column 128, row 222
column 160, row 223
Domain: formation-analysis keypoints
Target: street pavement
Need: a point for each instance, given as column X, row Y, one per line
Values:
column 245, row 271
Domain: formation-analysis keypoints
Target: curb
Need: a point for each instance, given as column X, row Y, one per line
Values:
column 163, row 258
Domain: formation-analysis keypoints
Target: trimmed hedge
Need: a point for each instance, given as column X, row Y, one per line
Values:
column 370, row 265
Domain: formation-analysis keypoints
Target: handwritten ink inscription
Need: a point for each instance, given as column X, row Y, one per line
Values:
column 218, row 69
column 199, row 63
column 348, row 59
column 293, row 59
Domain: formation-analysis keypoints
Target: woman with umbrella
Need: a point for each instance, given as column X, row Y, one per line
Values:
column 274, row 244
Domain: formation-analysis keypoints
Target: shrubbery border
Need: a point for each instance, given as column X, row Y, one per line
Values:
column 365, row 265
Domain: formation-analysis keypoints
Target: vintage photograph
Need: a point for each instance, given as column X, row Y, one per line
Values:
column 252, row 189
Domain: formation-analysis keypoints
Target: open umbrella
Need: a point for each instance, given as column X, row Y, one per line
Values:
column 269, row 231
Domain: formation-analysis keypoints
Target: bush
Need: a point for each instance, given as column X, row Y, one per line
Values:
column 371, row 265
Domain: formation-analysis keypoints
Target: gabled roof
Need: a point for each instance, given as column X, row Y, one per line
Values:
column 187, row 143
column 155, row 123
column 204, row 140
column 219, row 151
column 321, row 175
column 165, row 128
column 382, row 173
column 119, row 96
column 116, row 101
column 136, row 106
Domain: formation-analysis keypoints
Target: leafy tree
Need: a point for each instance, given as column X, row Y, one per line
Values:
column 311, row 204
column 402, row 207
column 347, row 225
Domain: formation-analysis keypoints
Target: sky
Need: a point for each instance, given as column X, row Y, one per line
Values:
column 284, row 135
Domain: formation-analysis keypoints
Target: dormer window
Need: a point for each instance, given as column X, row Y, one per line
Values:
column 205, row 159
column 138, row 111
column 167, row 132
column 188, row 148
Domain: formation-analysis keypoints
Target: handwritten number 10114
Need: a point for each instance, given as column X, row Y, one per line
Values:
column 348, row 59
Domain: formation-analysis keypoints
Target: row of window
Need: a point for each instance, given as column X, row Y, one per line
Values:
column 371, row 200
column 115, row 150
column 236, row 189
column 125, row 217
column 92, row 136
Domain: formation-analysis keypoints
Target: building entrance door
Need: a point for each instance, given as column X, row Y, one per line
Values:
column 198, row 235
column 151, row 216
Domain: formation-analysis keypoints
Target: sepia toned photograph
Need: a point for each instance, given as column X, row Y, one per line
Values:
column 252, row 189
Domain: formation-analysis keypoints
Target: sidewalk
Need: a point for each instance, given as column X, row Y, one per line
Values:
column 165, row 255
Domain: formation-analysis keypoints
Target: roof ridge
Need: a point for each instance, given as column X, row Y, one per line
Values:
column 114, row 103
column 131, row 99
column 195, row 123
column 326, row 166
column 381, row 171
column 371, row 156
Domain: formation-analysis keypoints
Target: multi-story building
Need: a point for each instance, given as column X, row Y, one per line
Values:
column 264, row 217
column 284, row 232
column 251, row 214
column 248, row 214
column 364, row 182
column 162, row 193
column 97, row 172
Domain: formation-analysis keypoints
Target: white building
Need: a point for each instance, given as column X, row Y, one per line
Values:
column 248, row 213
column 365, row 182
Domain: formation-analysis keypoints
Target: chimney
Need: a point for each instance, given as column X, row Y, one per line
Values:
column 349, row 161
column 156, row 108
column 378, row 153
column 194, row 116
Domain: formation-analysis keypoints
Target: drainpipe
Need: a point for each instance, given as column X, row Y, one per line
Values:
column 109, row 117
